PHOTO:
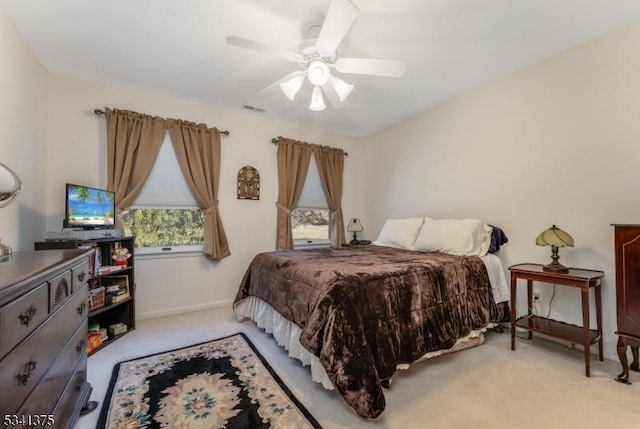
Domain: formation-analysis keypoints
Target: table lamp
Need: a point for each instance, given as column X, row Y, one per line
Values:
column 10, row 185
column 355, row 226
column 554, row 237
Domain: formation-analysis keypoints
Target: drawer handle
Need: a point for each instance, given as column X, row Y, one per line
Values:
column 27, row 315
column 81, row 276
column 80, row 346
column 81, row 308
column 80, row 384
column 27, row 371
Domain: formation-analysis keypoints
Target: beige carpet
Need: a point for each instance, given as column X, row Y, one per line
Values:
column 540, row 385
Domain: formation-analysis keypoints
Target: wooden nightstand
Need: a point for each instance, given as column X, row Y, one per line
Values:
column 580, row 278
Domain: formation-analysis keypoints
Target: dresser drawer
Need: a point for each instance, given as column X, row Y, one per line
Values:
column 63, row 413
column 20, row 317
column 59, row 290
column 68, row 408
column 21, row 370
column 45, row 394
column 79, row 275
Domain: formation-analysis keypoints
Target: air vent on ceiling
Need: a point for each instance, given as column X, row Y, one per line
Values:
column 253, row 108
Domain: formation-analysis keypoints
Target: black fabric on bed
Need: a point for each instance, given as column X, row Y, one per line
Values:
column 498, row 238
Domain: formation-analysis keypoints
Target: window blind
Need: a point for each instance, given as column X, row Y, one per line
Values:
column 165, row 186
column 312, row 194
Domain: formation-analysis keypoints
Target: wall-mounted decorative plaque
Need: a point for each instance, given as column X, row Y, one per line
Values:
column 248, row 183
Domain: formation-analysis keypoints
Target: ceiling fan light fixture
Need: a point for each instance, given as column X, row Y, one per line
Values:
column 342, row 88
column 317, row 101
column 318, row 72
column 317, row 57
column 291, row 87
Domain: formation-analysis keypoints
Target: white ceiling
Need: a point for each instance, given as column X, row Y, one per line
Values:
column 178, row 48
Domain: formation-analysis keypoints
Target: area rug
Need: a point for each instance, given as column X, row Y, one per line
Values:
column 223, row 383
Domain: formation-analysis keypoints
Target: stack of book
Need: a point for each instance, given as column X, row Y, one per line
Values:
column 116, row 288
column 95, row 258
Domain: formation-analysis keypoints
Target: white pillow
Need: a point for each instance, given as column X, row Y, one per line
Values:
column 400, row 233
column 462, row 237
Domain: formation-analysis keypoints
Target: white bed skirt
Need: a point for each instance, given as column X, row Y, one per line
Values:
column 287, row 335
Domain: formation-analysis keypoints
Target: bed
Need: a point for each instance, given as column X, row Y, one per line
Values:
column 358, row 313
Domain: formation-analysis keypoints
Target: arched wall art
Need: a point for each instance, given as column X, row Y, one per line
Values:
column 248, row 183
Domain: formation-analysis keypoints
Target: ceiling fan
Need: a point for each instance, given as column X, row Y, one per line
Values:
column 317, row 57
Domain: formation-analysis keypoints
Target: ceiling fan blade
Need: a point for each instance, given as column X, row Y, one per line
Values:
column 339, row 18
column 261, row 47
column 276, row 84
column 370, row 66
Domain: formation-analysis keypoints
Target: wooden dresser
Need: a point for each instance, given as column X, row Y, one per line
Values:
column 627, row 254
column 43, row 331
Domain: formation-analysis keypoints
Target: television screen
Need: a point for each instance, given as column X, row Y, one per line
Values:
column 89, row 208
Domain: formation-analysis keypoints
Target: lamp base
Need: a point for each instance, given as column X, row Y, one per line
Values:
column 354, row 242
column 555, row 267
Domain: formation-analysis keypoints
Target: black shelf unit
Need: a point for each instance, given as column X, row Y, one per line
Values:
column 109, row 314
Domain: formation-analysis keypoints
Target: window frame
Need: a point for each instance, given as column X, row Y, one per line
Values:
column 166, row 250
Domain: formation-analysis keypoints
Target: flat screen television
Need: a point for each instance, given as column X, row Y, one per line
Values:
column 89, row 208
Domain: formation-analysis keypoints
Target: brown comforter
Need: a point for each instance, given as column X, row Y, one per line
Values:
column 365, row 309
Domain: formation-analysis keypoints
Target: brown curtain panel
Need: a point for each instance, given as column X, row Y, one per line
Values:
column 133, row 143
column 293, row 164
column 330, row 164
column 198, row 152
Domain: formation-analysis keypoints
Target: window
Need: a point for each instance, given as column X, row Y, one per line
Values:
column 165, row 218
column 311, row 219
column 161, row 227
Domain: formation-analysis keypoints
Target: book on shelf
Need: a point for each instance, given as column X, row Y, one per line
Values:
column 95, row 258
column 116, row 287
column 92, row 264
column 114, row 299
column 111, row 282
column 107, row 269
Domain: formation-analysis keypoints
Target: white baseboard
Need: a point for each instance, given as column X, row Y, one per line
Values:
column 182, row 310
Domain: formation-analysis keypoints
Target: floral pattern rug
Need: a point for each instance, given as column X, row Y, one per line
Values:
column 223, row 383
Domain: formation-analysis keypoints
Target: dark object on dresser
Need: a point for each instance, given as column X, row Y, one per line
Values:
column 43, row 329
column 627, row 252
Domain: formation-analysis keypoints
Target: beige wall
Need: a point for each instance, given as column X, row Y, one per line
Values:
column 558, row 143
column 77, row 154
column 23, row 95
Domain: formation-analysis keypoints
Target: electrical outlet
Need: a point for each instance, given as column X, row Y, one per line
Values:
column 536, row 292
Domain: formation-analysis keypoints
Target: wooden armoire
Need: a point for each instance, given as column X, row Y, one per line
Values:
column 627, row 259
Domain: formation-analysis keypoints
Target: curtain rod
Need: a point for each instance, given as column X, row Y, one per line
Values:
column 275, row 141
column 102, row 112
